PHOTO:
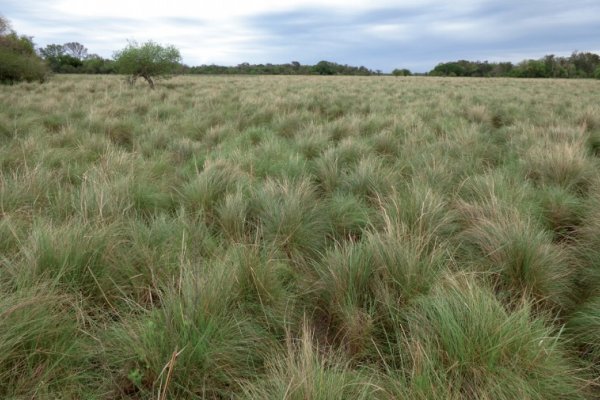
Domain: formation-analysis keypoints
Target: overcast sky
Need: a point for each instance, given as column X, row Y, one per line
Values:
column 379, row 34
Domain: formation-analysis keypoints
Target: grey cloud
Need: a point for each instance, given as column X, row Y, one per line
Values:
column 427, row 34
column 489, row 30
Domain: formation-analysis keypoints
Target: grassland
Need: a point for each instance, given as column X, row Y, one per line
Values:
column 300, row 238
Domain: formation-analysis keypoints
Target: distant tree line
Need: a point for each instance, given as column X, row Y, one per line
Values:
column 293, row 68
column 577, row 65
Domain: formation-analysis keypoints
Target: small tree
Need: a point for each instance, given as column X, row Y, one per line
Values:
column 147, row 61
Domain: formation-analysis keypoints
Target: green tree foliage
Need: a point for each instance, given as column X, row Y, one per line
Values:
column 18, row 61
column 66, row 58
column 94, row 64
column 147, row 61
column 324, row 68
column 58, row 60
column 73, row 58
column 578, row 65
column 401, row 72
column 293, row 68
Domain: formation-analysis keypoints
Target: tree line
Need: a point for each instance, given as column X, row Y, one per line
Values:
column 577, row 65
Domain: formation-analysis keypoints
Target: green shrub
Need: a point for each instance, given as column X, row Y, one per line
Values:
column 15, row 67
column 18, row 60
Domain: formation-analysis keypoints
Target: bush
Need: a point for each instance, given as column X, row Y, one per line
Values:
column 18, row 61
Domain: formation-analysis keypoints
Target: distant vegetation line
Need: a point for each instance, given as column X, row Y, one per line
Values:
column 577, row 65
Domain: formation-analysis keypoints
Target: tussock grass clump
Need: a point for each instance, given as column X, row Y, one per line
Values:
column 369, row 180
column 292, row 219
column 335, row 163
column 71, row 256
column 347, row 279
column 39, row 349
column 563, row 164
column 233, row 214
column 194, row 345
column 207, row 189
column 305, row 373
column 518, row 255
column 463, row 343
column 121, row 133
column 561, row 212
column 350, row 216
column 478, row 114
column 586, row 248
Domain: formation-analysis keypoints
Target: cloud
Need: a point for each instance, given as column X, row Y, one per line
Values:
column 380, row 34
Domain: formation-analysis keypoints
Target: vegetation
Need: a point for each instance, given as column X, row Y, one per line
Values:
column 148, row 61
column 300, row 238
column 293, row 68
column 401, row 72
column 18, row 61
column 578, row 65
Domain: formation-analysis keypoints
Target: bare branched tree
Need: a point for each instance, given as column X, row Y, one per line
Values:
column 4, row 26
column 76, row 50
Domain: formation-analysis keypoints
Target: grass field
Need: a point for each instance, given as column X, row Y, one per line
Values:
column 300, row 238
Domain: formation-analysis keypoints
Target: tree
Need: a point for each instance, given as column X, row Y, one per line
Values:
column 4, row 26
column 401, row 72
column 52, row 51
column 324, row 68
column 147, row 61
column 18, row 60
column 76, row 50
column 60, row 59
column 94, row 64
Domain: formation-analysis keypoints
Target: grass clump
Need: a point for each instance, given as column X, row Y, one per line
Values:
column 292, row 219
column 463, row 343
column 305, row 373
column 40, row 352
column 519, row 256
column 195, row 337
column 562, row 164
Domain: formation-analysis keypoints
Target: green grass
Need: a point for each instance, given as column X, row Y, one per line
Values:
column 300, row 238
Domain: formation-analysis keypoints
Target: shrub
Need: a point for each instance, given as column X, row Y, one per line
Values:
column 18, row 61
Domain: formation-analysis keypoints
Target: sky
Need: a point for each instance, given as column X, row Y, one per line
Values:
column 379, row 34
